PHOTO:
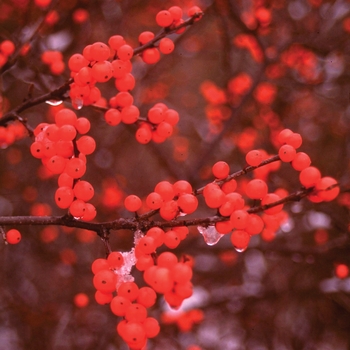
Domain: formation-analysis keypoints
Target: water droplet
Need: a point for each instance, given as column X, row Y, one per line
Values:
column 54, row 102
column 77, row 103
column 210, row 235
column 240, row 250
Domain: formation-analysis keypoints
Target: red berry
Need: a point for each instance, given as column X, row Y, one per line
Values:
column 115, row 260
column 145, row 37
column 13, row 236
column 221, row 170
column 105, row 281
column 125, row 52
column 99, row 51
column 309, row 176
column 240, row 239
column 164, row 18
column 327, row 188
column 128, row 290
column 165, row 189
column 287, row 153
column 269, row 199
column 132, row 203
column 166, row 46
column 151, row 56
column 301, row 161
column 64, row 197
column 254, row 158
column 256, row 189
column 342, row 271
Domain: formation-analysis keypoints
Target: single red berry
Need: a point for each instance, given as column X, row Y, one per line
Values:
column 13, row 236
column 132, row 203
column 164, row 18
column 221, row 170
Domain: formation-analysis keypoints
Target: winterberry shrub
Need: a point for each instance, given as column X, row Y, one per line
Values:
column 170, row 168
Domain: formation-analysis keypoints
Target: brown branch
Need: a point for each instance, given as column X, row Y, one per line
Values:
column 40, row 25
column 57, row 94
column 141, row 222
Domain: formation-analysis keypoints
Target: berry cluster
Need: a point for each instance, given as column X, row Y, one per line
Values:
column 326, row 188
column 54, row 60
column 231, row 205
column 61, row 152
column 169, row 19
column 165, row 275
column 172, row 199
column 10, row 133
column 100, row 62
column 159, row 125
column 233, row 213
column 130, row 301
column 170, row 277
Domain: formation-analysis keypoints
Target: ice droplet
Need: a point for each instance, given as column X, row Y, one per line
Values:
column 240, row 250
column 77, row 103
column 54, row 102
column 210, row 235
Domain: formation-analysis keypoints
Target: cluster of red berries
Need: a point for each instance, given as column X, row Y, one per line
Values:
column 170, row 277
column 231, row 204
column 54, row 60
column 170, row 19
column 10, row 133
column 7, row 48
column 170, row 199
column 61, row 152
column 165, row 274
column 326, row 188
column 130, row 302
column 159, row 126
column 100, row 62
column 154, row 238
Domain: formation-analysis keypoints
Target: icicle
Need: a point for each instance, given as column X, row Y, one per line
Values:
column 210, row 235
column 54, row 102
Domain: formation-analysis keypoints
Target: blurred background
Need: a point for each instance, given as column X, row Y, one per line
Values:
column 246, row 70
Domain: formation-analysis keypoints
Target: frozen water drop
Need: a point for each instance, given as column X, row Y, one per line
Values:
column 210, row 235
column 54, row 102
column 240, row 250
column 77, row 103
